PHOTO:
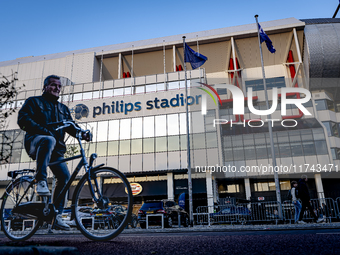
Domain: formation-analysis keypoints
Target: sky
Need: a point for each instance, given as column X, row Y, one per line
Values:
column 36, row 27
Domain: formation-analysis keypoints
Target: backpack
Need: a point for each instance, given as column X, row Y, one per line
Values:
column 289, row 195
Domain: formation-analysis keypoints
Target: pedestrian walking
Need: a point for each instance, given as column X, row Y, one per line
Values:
column 305, row 199
column 295, row 201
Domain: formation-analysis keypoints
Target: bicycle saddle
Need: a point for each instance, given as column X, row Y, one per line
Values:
column 15, row 173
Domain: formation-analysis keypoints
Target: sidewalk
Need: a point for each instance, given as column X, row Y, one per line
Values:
column 212, row 228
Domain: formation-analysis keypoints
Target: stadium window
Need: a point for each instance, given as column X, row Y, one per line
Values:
column 256, row 85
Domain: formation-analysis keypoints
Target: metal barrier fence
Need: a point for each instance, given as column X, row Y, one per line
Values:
column 325, row 208
column 265, row 212
column 337, row 201
column 240, row 213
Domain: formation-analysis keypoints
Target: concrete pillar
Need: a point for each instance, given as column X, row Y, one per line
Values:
column 210, row 194
column 171, row 195
column 319, row 186
column 247, row 188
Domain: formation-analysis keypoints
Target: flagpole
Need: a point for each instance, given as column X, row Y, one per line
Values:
column 276, row 175
column 188, row 139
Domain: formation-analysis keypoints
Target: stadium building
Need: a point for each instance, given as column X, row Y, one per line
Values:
column 132, row 97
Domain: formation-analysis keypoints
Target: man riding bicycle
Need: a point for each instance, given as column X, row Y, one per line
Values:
column 44, row 143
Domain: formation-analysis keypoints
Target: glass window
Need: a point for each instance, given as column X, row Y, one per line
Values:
column 271, row 186
column 306, row 135
column 136, row 146
column 20, row 103
column 160, row 124
column 78, row 96
column 124, row 147
column 318, row 134
column 148, row 145
column 160, row 86
column 112, row 148
column 238, row 153
column 137, row 130
column 101, row 149
column 150, row 88
column 173, row 143
column 128, row 91
column 330, row 105
column 102, row 131
column 249, row 152
column 197, row 122
column 228, row 155
column 260, row 139
column 92, row 126
column 321, row 147
column 264, row 186
column 294, row 136
column 108, row 93
column 308, row 148
column 183, row 142
column 118, row 92
column 284, row 150
column 173, row 85
column 183, row 123
column 334, row 127
column 161, row 144
column 199, row 141
column 87, row 95
column 211, row 140
column 139, row 89
column 334, row 154
column 320, row 104
column 285, row 185
column 125, row 129
column 149, row 127
column 209, row 121
column 237, row 141
column 248, row 139
column 113, row 130
column 173, row 124
column 24, row 156
column 337, row 106
column 261, row 152
column 296, row 149
column 95, row 94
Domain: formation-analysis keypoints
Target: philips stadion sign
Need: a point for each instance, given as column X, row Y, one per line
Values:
column 121, row 107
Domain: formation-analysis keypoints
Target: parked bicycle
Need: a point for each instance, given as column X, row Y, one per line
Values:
column 23, row 212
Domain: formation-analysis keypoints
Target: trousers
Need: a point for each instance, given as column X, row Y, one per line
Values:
column 42, row 148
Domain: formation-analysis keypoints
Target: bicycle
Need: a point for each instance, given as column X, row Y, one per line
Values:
column 23, row 212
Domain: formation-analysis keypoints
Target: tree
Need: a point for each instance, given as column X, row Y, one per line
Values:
column 8, row 94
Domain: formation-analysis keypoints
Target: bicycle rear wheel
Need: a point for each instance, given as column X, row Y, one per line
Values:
column 107, row 218
column 16, row 222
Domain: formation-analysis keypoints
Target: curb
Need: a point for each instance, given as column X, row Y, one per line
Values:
column 34, row 250
column 213, row 228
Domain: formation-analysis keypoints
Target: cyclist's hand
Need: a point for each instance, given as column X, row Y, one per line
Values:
column 87, row 136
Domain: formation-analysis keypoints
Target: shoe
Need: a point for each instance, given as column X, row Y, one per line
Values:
column 60, row 224
column 320, row 220
column 301, row 222
column 42, row 189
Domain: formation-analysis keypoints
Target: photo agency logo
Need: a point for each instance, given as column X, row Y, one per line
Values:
column 238, row 100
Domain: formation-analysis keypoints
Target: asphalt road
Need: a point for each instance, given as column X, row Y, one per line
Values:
column 322, row 241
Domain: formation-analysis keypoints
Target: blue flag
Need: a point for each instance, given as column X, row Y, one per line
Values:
column 181, row 200
column 264, row 38
column 196, row 59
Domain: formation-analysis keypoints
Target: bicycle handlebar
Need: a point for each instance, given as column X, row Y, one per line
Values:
column 67, row 123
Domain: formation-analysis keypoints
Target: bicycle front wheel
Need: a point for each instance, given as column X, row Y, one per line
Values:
column 16, row 221
column 105, row 216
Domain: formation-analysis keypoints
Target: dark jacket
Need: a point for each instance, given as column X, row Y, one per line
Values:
column 303, row 190
column 37, row 112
